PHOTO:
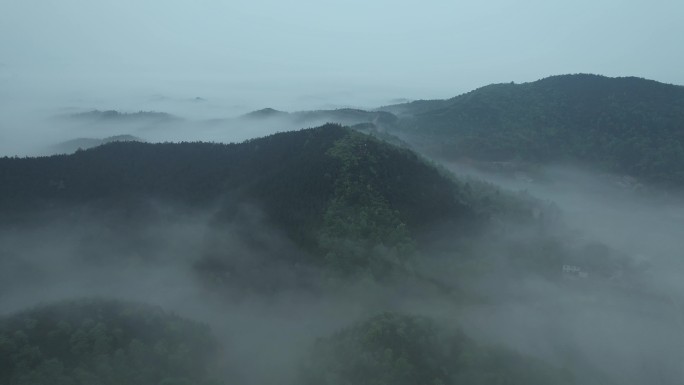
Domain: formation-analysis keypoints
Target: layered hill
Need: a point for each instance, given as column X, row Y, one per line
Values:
column 627, row 125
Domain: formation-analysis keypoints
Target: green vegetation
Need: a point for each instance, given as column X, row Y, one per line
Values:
column 395, row 349
column 627, row 125
column 104, row 342
column 360, row 228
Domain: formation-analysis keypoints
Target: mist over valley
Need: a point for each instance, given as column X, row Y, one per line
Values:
column 319, row 194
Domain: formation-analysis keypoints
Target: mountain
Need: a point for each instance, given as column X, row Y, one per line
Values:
column 264, row 113
column 351, row 201
column 104, row 342
column 70, row 146
column 626, row 125
column 398, row 349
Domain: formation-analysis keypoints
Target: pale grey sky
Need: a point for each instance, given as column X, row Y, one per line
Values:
column 299, row 49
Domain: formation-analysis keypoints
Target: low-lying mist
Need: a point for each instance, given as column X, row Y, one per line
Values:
column 622, row 322
column 35, row 113
column 237, row 276
column 259, row 308
column 621, row 326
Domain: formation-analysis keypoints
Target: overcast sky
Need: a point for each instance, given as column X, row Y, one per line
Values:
column 304, row 49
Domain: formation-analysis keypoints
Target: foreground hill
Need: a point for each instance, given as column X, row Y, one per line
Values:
column 104, row 342
column 626, row 125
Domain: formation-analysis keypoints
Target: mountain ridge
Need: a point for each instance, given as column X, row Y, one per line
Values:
column 336, row 192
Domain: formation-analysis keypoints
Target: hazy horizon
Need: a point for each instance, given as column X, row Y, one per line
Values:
column 306, row 55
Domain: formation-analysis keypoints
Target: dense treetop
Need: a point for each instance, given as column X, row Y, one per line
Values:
column 104, row 342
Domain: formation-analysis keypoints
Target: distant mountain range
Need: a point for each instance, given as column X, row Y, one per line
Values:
column 630, row 126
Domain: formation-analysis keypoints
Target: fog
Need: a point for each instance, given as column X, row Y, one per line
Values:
column 612, row 329
column 97, row 254
column 38, row 125
column 642, row 221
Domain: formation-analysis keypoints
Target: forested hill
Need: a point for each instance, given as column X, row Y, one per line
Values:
column 626, row 125
column 291, row 171
column 332, row 190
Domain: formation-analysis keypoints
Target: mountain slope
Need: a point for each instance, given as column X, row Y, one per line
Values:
column 627, row 125
column 345, row 197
